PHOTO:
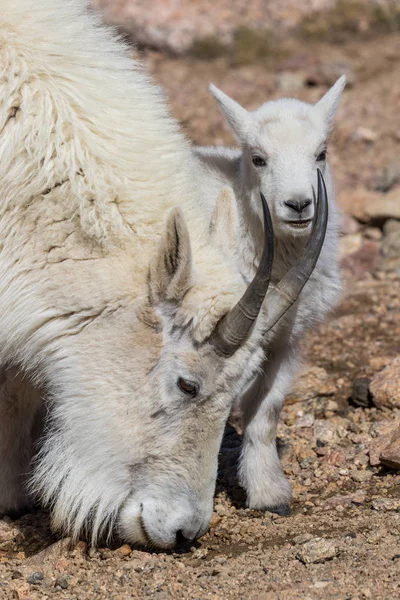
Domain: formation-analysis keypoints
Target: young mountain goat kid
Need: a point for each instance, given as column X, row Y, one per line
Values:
column 141, row 333
column 282, row 145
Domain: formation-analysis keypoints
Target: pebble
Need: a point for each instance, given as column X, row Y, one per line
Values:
column 386, row 503
column 62, row 583
column 305, row 421
column 373, row 233
column 360, row 394
column 317, row 550
column 391, row 454
column 310, row 384
column 8, row 535
column 389, row 177
column 35, row 577
column 124, row 550
column 361, row 476
column 325, row 431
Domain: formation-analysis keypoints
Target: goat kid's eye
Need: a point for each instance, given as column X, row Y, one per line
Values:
column 188, row 387
column 321, row 156
column 258, row 161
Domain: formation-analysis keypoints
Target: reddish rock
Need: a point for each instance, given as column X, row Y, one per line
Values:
column 385, row 386
column 363, row 261
column 350, row 244
column 348, row 224
column 387, row 206
column 371, row 207
column 310, row 384
column 355, row 202
column 334, row 457
column 391, row 454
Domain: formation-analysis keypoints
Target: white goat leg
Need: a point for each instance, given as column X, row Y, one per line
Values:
column 260, row 471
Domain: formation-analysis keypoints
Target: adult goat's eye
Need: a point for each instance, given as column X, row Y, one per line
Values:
column 188, row 387
column 321, row 156
column 258, row 161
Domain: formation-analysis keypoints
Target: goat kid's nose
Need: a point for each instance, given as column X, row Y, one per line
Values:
column 298, row 205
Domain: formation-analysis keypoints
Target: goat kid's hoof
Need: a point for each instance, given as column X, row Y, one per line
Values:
column 283, row 510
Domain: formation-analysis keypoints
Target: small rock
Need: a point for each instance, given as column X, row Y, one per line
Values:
column 317, row 550
column 360, row 394
column 385, row 386
column 36, row 577
column 361, row 476
column 386, row 430
column 220, row 510
column 305, row 421
column 364, row 134
column 124, row 550
column 386, row 503
column 348, row 225
column 354, row 202
column 61, row 582
column 334, row 457
column 389, row 177
column 350, row 244
column 325, row 432
column 358, row 497
column 379, row 362
column 8, row 536
column 391, row 226
column 355, row 498
column 308, row 385
column 363, row 261
column 387, row 206
column 376, row 535
column 373, row 233
column 391, row 454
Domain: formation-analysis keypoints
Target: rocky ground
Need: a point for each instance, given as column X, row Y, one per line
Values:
column 342, row 539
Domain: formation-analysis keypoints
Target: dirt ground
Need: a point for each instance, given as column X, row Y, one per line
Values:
column 342, row 539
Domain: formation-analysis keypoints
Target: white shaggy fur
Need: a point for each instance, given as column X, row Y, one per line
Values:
column 100, row 303
column 289, row 136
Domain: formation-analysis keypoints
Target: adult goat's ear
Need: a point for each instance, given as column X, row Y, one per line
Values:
column 170, row 271
column 329, row 103
column 237, row 116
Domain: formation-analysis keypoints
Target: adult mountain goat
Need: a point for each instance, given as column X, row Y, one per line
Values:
column 141, row 333
column 282, row 145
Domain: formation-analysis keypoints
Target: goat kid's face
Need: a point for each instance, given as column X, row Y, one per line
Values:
column 283, row 143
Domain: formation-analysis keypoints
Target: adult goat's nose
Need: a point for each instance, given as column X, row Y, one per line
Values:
column 298, row 205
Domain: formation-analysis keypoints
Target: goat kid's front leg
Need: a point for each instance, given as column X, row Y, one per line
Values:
column 260, row 471
column 20, row 422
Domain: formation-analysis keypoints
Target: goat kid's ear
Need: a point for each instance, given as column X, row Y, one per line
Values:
column 329, row 103
column 171, row 269
column 238, row 117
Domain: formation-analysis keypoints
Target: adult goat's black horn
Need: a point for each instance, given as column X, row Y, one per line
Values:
column 281, row 297
column 234, row 328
